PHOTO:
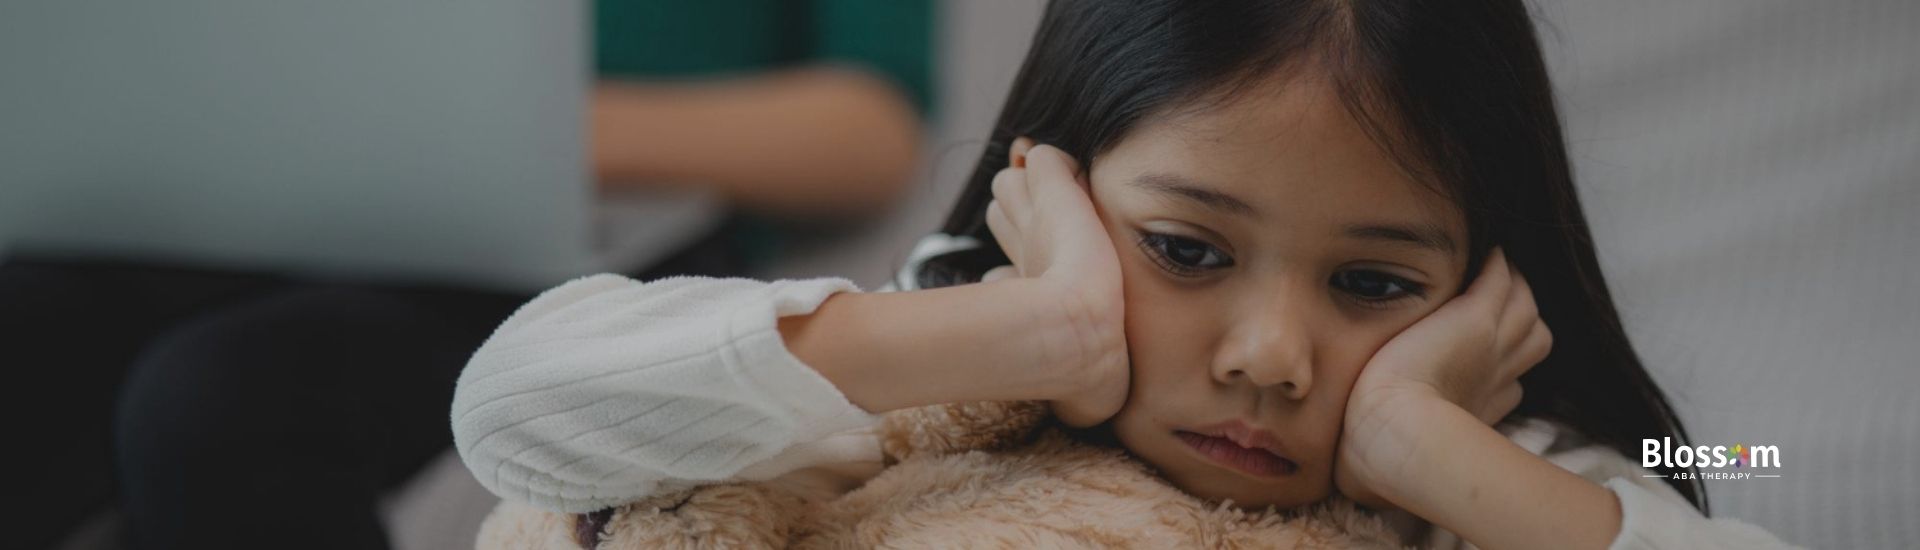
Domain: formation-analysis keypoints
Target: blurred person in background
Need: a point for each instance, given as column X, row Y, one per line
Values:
column 223, row 408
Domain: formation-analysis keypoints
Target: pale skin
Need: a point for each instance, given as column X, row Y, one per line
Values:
column 1263, row 261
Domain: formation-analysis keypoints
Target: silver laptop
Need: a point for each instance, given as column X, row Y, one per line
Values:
column 378, row 139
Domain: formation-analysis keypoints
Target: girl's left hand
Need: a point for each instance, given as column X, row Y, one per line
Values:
column 1469, row 353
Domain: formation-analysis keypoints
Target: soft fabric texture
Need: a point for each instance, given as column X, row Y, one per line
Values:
column 981, row 475
column 676, row 404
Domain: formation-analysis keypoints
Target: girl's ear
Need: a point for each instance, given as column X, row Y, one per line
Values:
column 1017, row 155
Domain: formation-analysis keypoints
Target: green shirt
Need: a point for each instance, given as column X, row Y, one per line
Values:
column 702, row 38
column 669, row 39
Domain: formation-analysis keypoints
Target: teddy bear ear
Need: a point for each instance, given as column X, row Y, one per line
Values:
column 960, row 427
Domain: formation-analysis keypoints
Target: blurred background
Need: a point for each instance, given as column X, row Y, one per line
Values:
column 226, row 226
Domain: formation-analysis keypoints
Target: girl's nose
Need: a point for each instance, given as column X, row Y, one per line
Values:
column 1270, row 351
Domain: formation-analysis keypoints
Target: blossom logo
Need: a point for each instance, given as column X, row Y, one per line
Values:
column 1662, row 453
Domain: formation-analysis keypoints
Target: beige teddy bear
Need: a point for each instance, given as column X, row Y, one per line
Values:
column 976, row 475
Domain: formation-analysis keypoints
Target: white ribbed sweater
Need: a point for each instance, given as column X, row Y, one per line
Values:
column 606, row 390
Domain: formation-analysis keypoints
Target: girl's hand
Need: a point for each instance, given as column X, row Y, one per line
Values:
column 1046, row 223
column 1469, row 353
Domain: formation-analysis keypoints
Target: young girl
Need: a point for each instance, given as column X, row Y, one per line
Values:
column 1276, row 250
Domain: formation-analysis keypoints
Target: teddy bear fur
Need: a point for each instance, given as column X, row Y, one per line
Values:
column 972, row 475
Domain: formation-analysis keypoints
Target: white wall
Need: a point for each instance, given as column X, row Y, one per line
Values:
column 1752, row 172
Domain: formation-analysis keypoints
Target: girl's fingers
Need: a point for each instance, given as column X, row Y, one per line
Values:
column 1522, row 324
column 1018, row 188
column 1503, row 403
column 1520, row 304
column 1003, row 231
column 1520, row 313
column 1073, row 164
column 1491, row 286
column 1010, row 189
column 1052, row 175
column 1535, row 347
column 998, row 273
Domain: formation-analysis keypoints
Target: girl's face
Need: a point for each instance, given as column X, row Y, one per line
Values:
column 1268, row 249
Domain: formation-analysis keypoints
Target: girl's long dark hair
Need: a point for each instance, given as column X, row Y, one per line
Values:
column 1456, row 91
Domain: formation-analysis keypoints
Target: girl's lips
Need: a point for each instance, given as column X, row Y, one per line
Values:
column 1257, row 462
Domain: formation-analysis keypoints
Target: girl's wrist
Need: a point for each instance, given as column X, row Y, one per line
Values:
column 1441, row 463
column 1075, row 334
column 1387, row 433
column 990, row 341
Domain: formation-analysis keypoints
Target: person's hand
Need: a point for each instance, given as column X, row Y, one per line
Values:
column 1469, row 353
column 1044, row 220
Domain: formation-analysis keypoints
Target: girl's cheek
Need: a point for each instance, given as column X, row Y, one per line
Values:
column 1341, row 369
column 1168, row 342
column 1348, row 358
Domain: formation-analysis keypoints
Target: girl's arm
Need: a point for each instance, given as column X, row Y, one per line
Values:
column 1051, row 330
column 1485, row 487
column 1005, row 340
column 605, row 390
column 1417, row 436
column 1460, row 474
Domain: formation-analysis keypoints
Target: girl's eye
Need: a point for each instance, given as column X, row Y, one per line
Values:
column 1375, row 287
column 1183, row 256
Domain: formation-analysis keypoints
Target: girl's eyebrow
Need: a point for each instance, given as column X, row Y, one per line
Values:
column 1170, row 184
column 1423, row 236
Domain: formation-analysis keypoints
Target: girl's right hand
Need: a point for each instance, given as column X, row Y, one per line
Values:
column 1046, row 223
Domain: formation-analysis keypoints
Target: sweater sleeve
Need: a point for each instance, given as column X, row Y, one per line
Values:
column 605, row 390
column 1654, row 519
